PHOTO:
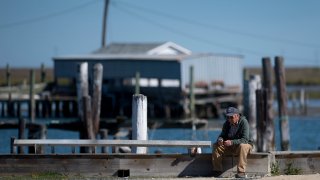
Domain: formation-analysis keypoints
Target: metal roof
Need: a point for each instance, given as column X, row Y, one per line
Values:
column 127, row 48
column 165, row 48
column 122, row 57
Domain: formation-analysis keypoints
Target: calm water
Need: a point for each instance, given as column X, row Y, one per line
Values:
column 303, row 136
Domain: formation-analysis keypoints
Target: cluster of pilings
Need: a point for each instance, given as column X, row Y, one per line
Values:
column 258, row 105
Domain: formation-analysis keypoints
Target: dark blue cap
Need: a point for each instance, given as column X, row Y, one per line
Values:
column 230, row 111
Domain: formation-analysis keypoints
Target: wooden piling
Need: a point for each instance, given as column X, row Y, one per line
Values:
column 139, row 121
column 137, row 87
column 82, row 90
column 104, row 135
column 31, row 96
column 269, row 136
column 22, row 127
column 57, row 108
column 261, row 97
column 8, row 75
column 37, row 131
column 302, row 102
column 96, row 100
column 191, row 91
column 246, row 93
column 82, row 86
column 282, row 103
column 43, row 73
column 13, row 149
column 87, row 116
column 46, row 107
column 253, row 85
column 10, row 106
column 18, row 109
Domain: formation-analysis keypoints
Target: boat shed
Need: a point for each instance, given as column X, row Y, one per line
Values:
column 164, row 75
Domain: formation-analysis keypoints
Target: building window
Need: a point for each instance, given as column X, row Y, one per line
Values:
column 144, row 82
column 62, row 81
column 170, row 83
column 153, row 82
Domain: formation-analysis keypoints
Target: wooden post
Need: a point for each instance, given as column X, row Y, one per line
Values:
column 87, row 116
column 31, row 96
column 46, row 107
column 13, row 149
column 282, row 103
column 269, row 136
column 302, row 103
column 2, row 109
column 254, row 84
column 82, row 91
column 10, row 106
column 37, row 131
column 191, row 90
column 104, row 135
column 139, row 121
column 65, row 108
column 261, row 96
column 18, row 109
column 294, row 103
column 137, row 89
column 43, row 73
column 8, row 75
column 246, row 93
column 22, row 127
column 57, row 108
column 82, row 86
column 96, row 100
column 37, row 108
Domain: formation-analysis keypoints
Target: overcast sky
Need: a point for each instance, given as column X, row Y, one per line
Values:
column 33, row 31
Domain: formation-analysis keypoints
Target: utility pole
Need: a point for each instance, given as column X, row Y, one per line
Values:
column 104, row 23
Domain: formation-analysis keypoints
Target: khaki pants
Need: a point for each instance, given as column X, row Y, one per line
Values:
column 241, row 151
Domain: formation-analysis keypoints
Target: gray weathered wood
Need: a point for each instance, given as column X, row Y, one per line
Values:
column 282, row 103
column 31, row 96
column 82, row 86
column 254, row 84
column 87, row 116
column 139, row 121
column 96, row 97
column 191, row 91
column 261, row 96
column 269, row 135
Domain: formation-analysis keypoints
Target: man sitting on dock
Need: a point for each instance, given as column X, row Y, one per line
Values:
column 234, row 139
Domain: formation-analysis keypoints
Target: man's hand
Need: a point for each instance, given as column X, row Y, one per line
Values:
column 227, row 143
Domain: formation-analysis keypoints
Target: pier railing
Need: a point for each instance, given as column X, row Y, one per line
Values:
column 104, row 143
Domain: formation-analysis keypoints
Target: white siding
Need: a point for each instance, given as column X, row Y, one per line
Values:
column 208, row 68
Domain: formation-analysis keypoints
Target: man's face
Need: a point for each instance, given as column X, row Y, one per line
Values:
column 233, row 119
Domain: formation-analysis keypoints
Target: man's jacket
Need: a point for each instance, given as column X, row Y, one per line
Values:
column 242, row 134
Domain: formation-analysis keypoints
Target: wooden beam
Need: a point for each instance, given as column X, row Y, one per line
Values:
column 88, row 142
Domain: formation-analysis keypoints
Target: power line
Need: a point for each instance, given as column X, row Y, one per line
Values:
column 199, row 39
column 181, row 33
column 48, row 16
column 223, row 29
